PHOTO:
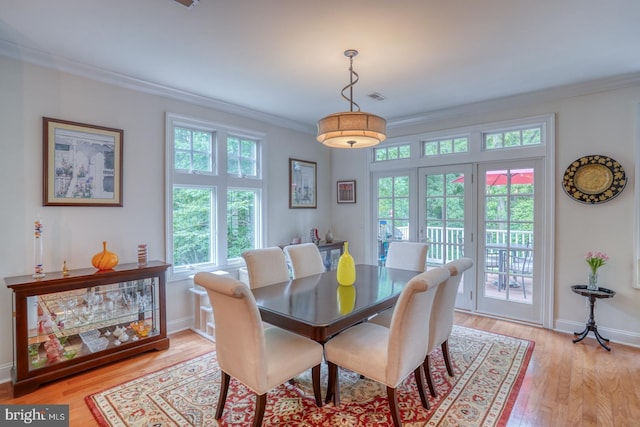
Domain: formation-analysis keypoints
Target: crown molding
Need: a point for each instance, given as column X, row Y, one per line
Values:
column 545, row 95
column 46, row 60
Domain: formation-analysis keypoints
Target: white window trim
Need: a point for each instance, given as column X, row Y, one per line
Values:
column 477, row 154
column 221, row 180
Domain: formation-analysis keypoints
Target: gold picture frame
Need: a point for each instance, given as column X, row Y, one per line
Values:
column 82, row 164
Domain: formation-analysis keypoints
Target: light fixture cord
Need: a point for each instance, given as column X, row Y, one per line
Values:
column 350, row 85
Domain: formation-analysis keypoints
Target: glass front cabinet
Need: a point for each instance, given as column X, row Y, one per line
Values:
column 67, row 323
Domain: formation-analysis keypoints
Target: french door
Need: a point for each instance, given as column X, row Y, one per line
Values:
column 445, row 218
column 510, row 228
column 493, row 217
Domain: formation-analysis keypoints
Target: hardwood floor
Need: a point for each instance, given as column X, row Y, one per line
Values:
column 566, row 384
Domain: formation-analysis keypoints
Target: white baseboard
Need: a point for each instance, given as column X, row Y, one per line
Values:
column 615, row 335
column 5, row 372
column 178, row 325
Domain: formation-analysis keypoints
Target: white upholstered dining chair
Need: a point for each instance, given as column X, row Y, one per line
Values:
column 407, row 255
column 305, row 259
column 261, row 359
column 389, row 355
column 266, row 266
column 441, row 323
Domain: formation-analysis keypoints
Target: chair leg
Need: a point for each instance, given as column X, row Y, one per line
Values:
column 427, row 373
column 332, row 380
column 315, row 379
column 418, row 373
column 224, row 388
column 393, row 405
column 447, row 357
column 261, row 404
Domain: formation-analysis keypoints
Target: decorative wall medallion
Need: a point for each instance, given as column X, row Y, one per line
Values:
column 594, row 179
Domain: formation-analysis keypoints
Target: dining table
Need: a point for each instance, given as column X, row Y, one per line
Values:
column 318, row 307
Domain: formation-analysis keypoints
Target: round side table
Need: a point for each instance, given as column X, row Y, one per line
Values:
column 591, row 323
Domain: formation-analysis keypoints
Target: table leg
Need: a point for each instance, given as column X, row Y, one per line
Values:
column 601, row 339
column 591, row 326
column 582, row 335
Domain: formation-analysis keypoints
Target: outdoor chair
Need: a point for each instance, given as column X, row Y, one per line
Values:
column 521, row 268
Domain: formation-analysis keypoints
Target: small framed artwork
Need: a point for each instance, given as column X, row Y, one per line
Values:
column 346, row 191
column 82, row 164
column 302, row 184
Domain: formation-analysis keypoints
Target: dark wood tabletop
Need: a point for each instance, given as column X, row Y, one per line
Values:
column 318, row 307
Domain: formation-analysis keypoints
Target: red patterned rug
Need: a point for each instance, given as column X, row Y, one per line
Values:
column 489, row 369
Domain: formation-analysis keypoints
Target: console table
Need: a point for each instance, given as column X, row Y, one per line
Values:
column 330, row 253
column 592, row 295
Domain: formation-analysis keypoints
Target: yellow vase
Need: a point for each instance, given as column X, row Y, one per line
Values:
column 346, row 273
column 346, row 299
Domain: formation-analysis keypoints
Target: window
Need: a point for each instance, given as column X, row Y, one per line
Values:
column 513, row 138
column 392, row 153
column 392, row 211
column 214, row 178
column 445, row 146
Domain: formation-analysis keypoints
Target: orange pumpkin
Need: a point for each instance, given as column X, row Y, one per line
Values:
column 104, row 260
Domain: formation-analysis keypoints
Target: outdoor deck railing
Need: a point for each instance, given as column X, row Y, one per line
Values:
column 454, row 238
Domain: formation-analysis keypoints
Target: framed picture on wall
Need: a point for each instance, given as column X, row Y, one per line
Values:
column 346, row 191
column 302, row 184
column 82, row 164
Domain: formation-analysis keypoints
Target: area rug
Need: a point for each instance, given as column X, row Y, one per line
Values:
column 488, row 367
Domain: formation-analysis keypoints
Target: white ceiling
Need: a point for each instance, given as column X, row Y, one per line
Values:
column 285, row 57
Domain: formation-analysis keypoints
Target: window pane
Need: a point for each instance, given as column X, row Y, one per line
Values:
column 461, row 145
column 201, row 161
column 241, row 221
column 202, row 141
column 430, row 148
column 446, row 146
column 381, row 154
column 531, row 136
column 192, row 226
column 385, row 187
column 183, row 160
column 401, row 186
column 393, row 153
column 385, row 208
column 405, row 151
column 242, row 157
column 512, row 139
column 182, row 138
column 193, row 150
column 494, row 141
column 401, row 209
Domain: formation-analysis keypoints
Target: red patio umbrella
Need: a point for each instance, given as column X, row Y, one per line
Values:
column 499, row 177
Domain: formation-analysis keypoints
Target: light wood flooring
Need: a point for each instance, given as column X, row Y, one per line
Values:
column 566, row 384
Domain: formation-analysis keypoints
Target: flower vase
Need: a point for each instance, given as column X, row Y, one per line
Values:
column 346, row 273
column 592, row 284
column 38, row 250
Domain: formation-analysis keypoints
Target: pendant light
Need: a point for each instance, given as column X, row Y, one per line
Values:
column 352, row 129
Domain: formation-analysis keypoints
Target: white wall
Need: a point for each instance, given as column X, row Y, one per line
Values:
column 601, row 123
column 74, row 234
